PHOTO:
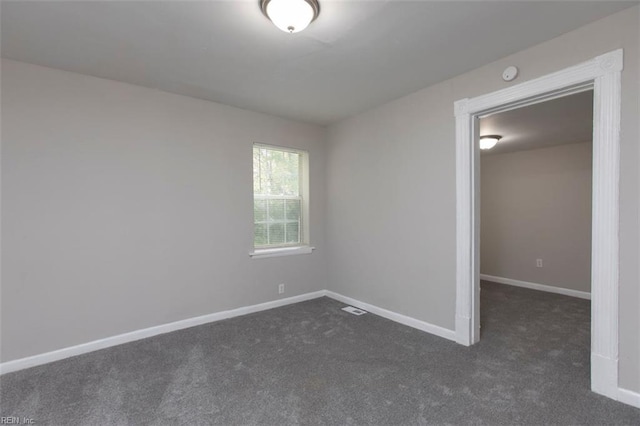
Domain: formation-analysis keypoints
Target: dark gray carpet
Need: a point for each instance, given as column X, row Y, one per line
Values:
column 312, row 363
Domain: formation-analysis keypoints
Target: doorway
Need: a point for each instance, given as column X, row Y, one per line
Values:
column 536, row 196
column 602, row 74
column 535, row 238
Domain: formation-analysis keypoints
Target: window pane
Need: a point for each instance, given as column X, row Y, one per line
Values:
column 276, row 233
column 259, row 210
column 275, row 172
column 290, row 174
column 276, row 183
column 260, row 234
column 293, row 210
column 276, row 210
column 293, row 232
column 257, row 171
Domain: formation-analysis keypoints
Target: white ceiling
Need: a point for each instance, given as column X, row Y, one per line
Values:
column 356, row 55
column 559, row 121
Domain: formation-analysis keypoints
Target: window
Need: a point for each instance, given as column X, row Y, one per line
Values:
column 280, row 200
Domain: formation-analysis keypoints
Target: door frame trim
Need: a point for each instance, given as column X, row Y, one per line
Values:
column 603, row 75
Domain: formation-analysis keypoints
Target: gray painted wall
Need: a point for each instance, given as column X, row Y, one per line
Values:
column 537, row 205
column 391, row 182
column 125, row 208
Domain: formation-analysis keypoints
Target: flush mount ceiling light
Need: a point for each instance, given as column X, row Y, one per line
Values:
column 291, row 16
column 489, row 141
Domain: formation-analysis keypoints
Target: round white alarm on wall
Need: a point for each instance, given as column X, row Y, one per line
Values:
column 510, row 73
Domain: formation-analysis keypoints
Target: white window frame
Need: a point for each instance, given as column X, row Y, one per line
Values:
column 303, row 246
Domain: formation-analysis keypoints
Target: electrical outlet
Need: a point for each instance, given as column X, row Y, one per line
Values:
column 539, row 263
column 280, row 288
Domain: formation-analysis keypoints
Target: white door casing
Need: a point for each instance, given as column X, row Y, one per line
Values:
column 603, row 74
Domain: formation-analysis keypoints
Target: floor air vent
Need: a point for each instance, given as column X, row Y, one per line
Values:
column 354, row 311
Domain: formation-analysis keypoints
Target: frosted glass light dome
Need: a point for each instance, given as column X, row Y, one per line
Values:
column 291, row 16
column 489, row 141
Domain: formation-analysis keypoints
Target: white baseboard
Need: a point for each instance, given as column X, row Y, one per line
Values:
column 629, row 397
column 604, row 375
column 393, row 316
column 536, row 286
column 623, row 395
column 47, row 357
column 463, row 331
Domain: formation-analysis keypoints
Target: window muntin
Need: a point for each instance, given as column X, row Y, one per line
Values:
column 278, row 197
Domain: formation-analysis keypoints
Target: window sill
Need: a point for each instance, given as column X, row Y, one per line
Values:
column 280, row 251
